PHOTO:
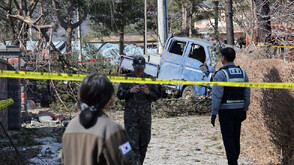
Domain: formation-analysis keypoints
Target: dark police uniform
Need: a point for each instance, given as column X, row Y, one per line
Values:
column 231, row 103
column 137, row 116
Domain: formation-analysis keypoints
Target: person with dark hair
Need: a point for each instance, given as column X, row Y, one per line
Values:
column 231, row 103
column 137, row 114
column 91, row 137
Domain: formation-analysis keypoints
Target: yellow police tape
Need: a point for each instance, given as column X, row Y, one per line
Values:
column 270, row 44
column 5, row 103
column 80, row 77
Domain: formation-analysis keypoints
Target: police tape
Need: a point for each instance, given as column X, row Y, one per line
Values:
column 5, row 103
column 80, row 77
column 275, row 46
column 42, row 75
column 91, row 60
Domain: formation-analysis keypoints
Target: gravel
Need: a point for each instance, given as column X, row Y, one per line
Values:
column 184, row 140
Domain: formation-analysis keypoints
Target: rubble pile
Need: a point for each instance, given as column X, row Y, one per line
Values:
column 181, row 107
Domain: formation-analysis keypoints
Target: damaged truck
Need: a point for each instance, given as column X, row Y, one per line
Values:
column 182, row 59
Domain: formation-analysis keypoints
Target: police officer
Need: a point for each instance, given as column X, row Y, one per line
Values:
column 137, row 114
column 231, row 103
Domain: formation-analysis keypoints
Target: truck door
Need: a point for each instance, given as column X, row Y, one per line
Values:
column 172, row 60
column 191, row 67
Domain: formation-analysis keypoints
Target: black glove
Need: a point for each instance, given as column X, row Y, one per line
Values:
column 244, row 115
column 213, row 119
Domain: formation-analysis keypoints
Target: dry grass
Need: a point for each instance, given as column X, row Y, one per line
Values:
column 268, row 132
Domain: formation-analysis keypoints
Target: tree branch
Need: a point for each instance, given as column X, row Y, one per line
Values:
column 33, row 5
column 24, row 7
column 54, row 87
column 16, row 4
column 43, row 29
column 58, row 14
column 30, row 22
column 60, row 56
column 86, row 10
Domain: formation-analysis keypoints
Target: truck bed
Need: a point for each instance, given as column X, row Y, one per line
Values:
column 127, row 61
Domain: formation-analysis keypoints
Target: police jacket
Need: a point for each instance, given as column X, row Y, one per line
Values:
column 230, row 97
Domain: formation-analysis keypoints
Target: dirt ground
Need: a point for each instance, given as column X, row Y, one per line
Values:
column 176, row 141
column 184, row 140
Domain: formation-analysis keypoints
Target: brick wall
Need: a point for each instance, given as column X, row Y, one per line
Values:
column 14, row 110
column 10, row 88
column 3, row 96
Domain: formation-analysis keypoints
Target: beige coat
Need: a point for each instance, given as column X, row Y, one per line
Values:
column 104, row 143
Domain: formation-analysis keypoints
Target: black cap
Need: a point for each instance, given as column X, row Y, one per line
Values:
column 139, row 62
column 229, row 53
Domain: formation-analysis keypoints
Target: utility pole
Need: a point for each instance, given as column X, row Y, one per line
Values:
column 145, row 31
column 162, row 24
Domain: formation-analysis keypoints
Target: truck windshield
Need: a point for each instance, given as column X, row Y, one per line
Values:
column 177, row 47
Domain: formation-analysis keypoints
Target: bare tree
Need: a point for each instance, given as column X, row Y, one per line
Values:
column 7, row 24
column 33, row 23
column 244, row 17
column 66, row 19
column 17, row 30
column 189, row 10
column 25, row 17
column 116, row 15
column 282, row 22
column 263, row 20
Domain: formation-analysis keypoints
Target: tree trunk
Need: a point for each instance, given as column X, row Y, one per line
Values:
column 68, row 42
column 67, row 23
column 121, row 38
column 229, row 22
column 190, row 25
column 216, row 32
column 263, row 20
column 184, row 20
column 14, row 34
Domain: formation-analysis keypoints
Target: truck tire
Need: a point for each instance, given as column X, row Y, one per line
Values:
column 188, row 92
